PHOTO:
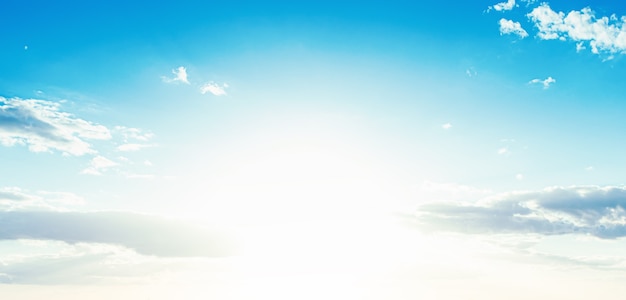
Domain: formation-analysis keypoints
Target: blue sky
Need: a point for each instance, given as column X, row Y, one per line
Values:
column 248, row 145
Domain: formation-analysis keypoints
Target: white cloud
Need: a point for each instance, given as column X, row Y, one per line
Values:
column 98, row 164
column 503, row 151
column 546, row 82
column 604, row 34
column 510, row 27
column 146, row 234
column 134, row 139
column 591, row 210
column 132, row 147
column 180, row 75
column 131, row 134
column 43, row 127
column 214, row 88
column 17, row 199
column 453, row 188
column 519, row 176
column 502, row 6
column 446, row 126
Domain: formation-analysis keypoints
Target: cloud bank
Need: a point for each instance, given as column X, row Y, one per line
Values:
column 146, row 234
column 591, row 210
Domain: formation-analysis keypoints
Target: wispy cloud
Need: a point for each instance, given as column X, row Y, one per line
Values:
column 99, row 164
column 43, row 127
column 214, row 88
column 470, row 72
column 131, row 134
column 132, row 147
column 603, row 34
column 592, row 210
column 180, row 75
column 502, row 6
column 17, row 199
column 134, row 139
column 446, row 126
column 511, row 27
column 545, row 82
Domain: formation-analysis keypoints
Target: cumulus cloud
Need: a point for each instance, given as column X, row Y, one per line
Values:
column 180, row 75
column 43, row 127
column 545, row 82
column 592, row 210
column 146, row 234
column 214, row 88
column 603, row 34
column 502, row 6
column 446, row 126
column 510, row 27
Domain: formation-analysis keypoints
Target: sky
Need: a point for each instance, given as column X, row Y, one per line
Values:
column 318, row 149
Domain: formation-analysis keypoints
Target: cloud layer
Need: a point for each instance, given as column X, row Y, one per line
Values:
column 146, row 234
column 41, row 126
column 597, row 211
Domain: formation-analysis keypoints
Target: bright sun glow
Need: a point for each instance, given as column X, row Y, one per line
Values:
column 282, row 177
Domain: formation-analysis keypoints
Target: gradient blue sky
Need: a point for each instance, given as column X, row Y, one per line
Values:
column 498, row 124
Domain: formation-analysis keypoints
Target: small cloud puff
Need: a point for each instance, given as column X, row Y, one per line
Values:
column 510, row 27
column 546, row 82
column 471, row 72
column 214, row 88
column 131, row 147
column 98, row 164
column 446, row 126
column 180, row 75
column 502, row 6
